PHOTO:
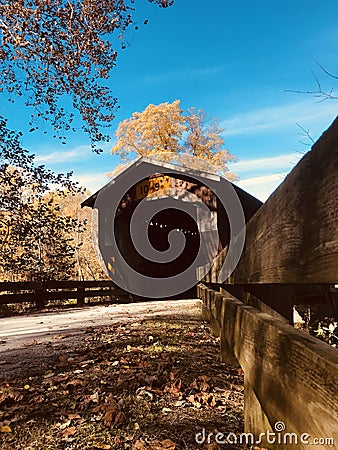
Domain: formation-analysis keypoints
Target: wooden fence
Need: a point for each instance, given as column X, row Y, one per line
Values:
column 290, row 256
column 42, row 292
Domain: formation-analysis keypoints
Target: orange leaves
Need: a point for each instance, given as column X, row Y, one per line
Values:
column 166, row 132
column 112, row 414
column 116, row 389
column 166, row 444
column 202, row 395
column 159, row 128
column 69, row 431
column 99, row 445
column 62, row 336
column 202, row 399
column 174, row 389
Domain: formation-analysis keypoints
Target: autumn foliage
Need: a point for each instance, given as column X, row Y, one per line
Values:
column 165, row 129
column 56, row 48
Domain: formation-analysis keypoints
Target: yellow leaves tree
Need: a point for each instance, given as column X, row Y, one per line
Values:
column 159, row 128
column 43, row 234
column 86, row 265
column 206, row 142
column 165, row 129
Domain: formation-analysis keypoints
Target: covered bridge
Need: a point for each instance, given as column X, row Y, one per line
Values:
column 174, row 199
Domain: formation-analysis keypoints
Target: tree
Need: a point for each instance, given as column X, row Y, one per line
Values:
column 36, row 239
column 86, row 264
column 23, row 186
column 56, row 48
column 165, row 130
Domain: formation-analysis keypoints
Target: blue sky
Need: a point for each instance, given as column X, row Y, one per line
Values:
column 235, row 60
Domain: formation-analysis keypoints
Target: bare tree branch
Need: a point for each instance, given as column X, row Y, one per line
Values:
column 320, row 93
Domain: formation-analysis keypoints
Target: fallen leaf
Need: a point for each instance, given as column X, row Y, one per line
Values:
column 68, row 431
column 71, row 384
column 174, row 388
column 112, row 413
column 48, row 374
column 167, row 444
column 65, row 425
column 62, row 336
column 194, row 385
column 166, row 410
column 73, row 416
column 94, row 397
column 5, row 429
column 204, row 386
column 105, row 362
column 213, row 446
column 179, row 403
column 117, row 441
column 103, row 446
column 139, row 445
column 173, row 375
column 204, row 378
column 33, row 342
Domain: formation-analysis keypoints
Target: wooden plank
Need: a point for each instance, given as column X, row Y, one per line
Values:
column 20, row 285
column 35, row 285
column 251, row 300
column 75, row 284
column 293, row 236
column 289, row 372
column 56, row 295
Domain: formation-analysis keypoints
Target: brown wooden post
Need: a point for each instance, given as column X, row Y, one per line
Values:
column 80, row 295
column 226, row 322
column 255, row 420
column 40, row 297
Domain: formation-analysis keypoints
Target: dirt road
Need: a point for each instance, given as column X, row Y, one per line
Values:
column 31, row 340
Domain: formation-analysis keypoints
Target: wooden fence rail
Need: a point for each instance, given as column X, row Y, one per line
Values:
column 290, row 256
column 290, row 377
column 41, row 292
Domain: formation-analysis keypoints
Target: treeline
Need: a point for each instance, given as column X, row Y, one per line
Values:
column 44, row 234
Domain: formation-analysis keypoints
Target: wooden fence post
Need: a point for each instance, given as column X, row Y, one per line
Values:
column 40, row 296
column 255, row 420
column 80, row 295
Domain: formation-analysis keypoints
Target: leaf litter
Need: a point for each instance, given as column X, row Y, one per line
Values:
column 146, row 385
